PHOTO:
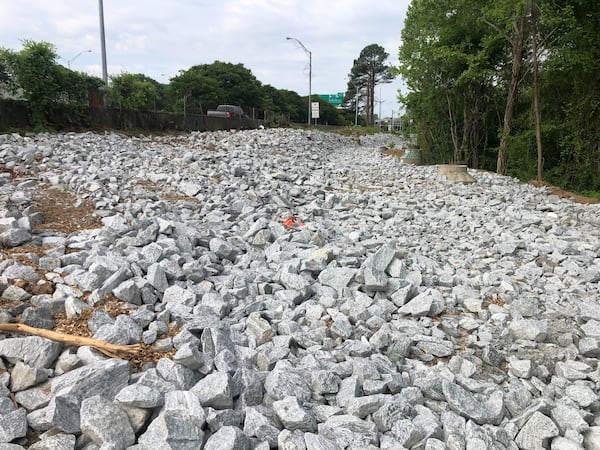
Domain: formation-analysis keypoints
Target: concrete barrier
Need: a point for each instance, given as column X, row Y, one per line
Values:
column 455, row 173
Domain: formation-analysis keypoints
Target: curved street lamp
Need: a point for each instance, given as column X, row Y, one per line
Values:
column 77, row 56
column 309, row 74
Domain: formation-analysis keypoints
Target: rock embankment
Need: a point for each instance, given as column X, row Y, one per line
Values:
column 293, row 289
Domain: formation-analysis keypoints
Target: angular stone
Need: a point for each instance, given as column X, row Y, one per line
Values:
column 23, row 376
column 572, row 370
column 382, row 258
column 318, row 442
column 105, row 378
column 181, row 377
column 129, row 292
column 190, row 188
column 589, row 347
column 34, row 351
column 407, row 433
column 139, row 396
column 537, row 432
column 591, row 328
column 228, row 438
column 157, row 277
column 86, row 281
column 293, row 416
column 521, row 368
column 215, row 302
column 337, row 277
column 341, row 326
column 262, row 423
column 13, row 425
column 374, row 280
column 111, row 334
column 364, row 406
column 223, row 249
column 281, row 383
column 348, row 430
column 350, row 388
column 250, row 385
column 15, row 237
column 259, row 327
column 291, row 439
column 592, row 438
column 114, row 280
column 393, row 410
column 191, row 357
column 63, row 412
column 58, row 441
column 529, row 329
column 584, row 396
column 324, row 382
column 34, row 398
column 482, row 409
column 294, row 281
column 179, row 295
column 216, row 419
column 214, row 390
column 178, row 425
column 562, row 443
column 567, row 418
column 15, row 294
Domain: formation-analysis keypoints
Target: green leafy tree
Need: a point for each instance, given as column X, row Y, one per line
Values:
column 195, row 88
column 369, row 69
column 217, row 83
column 37, row 74
column 134, row 91
column 570, row 81
column 449, row 70
column 8, row 67
column 76, row 88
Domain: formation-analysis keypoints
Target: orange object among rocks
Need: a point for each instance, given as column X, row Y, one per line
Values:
column 292, row 222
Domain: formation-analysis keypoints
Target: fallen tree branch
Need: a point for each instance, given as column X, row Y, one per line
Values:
column 111, row 350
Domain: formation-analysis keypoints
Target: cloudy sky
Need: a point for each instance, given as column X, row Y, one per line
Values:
column 160, row 38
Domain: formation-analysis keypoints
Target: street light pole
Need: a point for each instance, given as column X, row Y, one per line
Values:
column 309, row 75
column 76, row 56
column 103, row 43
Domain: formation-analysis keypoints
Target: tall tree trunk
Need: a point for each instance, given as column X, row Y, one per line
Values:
column 536, row 95
column 453, row 131
column 467, row 123
column 518, row 42
column 372, row 99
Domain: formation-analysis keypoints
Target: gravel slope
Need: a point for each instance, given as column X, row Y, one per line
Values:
column 293, row 289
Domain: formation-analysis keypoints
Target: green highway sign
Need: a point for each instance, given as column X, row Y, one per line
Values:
column 334, row 99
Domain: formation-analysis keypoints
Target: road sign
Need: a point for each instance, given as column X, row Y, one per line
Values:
column 315, row 110
column 334, row 99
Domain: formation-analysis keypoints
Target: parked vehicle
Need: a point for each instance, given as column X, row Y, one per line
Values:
column 228, row 112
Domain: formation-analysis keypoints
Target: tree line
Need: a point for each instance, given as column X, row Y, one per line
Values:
column 34, row 74
column 507, row 85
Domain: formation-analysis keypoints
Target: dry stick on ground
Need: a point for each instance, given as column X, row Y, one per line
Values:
column 111, row 350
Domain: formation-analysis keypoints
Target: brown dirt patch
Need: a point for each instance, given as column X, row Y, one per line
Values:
column 13, row 172
column 562, row 193
column 394, row 152
column 78, row 325
column 62, row 212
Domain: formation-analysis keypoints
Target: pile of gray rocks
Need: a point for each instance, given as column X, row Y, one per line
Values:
column 327, row 297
